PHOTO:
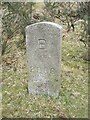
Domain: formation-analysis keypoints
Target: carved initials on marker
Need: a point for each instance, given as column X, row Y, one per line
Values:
column 42, row 43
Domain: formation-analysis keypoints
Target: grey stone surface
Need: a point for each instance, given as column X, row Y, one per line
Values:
column 43, row 45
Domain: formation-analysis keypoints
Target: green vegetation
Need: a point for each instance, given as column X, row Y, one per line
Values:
column 73, row 99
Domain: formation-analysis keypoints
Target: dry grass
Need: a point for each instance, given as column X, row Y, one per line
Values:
column 73, row 99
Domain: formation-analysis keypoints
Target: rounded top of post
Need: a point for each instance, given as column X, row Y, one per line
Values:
column 47, row 23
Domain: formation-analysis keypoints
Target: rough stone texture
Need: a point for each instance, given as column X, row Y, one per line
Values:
column 43, row 44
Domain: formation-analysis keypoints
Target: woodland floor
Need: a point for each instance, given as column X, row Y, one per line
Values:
column 73, row 99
